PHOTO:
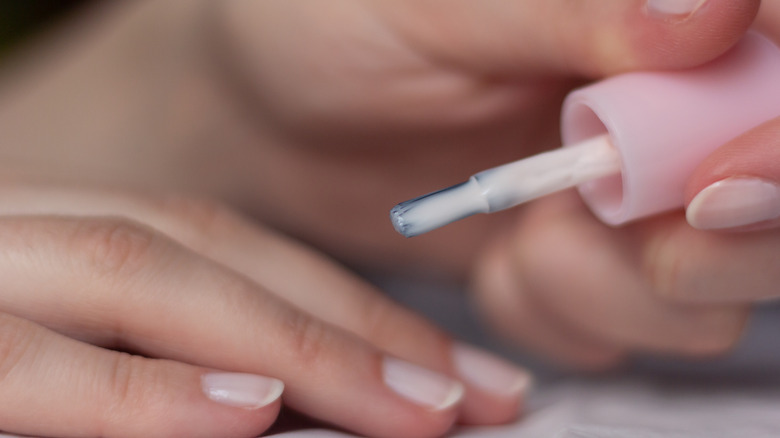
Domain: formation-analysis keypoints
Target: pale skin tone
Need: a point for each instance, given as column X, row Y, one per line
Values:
column 152, row 152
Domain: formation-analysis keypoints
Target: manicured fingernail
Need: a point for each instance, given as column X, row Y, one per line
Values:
column 679, row 9
column 422, row 386
column 490, row 373
column 734, row 202
column 241, row 390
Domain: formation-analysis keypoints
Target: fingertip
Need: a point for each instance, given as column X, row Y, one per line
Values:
column 246, row 401
column 495, row 387
column 487, row 407
column 668, row 35
column 240, row 422
column 200, row 402
column 734, row 203
column 705, row 14
column 738, row 186
column 410, row 421
column 241, row 390
column 431, row 400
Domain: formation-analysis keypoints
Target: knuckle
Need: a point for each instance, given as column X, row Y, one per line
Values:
column 309, row 338
column 120, row 383
column 114, row 246
column 388, row 325
column 133, row 387
column 378, row 321
column 199, row 219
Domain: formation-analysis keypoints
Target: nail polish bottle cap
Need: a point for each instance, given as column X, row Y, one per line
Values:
column 664, row 124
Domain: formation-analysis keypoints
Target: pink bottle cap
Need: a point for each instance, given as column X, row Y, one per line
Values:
column 665, row 123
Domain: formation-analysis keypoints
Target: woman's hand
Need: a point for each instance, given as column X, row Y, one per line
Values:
column 585, row 294
column 127, row 316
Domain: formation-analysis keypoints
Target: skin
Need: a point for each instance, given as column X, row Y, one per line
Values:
column 277, row 118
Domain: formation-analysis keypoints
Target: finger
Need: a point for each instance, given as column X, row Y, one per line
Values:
column 692, row 266
column 119, row 284
column 738, row 186
column 589, row 37
column 51, row 385
column 509, row 307
column 606, row 283
column 494, row 387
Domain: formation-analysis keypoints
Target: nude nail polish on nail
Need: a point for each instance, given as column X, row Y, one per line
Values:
column 422, row 386
column 674, row 8
column 241, row 390
column 734, row 202
column 490, row 373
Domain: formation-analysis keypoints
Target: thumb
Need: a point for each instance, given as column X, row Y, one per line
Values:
column 738, row 186
column 589, row 38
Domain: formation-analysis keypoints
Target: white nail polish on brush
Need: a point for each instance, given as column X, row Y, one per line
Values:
column 633, row 141
column 508, row 185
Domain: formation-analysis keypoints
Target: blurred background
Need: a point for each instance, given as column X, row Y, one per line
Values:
column 21, row 20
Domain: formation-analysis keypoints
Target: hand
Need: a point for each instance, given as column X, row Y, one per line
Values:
column 588, row 295
column 319, row 119
column 122, row 315
column 387, row 92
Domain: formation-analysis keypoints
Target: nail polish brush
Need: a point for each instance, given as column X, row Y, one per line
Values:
column 631, row 142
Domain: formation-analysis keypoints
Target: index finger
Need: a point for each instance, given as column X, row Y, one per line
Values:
column 590, row 38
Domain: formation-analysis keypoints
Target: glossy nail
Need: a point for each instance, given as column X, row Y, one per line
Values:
column 422, row 386
column 674, row 8
column 734, row 202
column 489, row 372
column 241, row 390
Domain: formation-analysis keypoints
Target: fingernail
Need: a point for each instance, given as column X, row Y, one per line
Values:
column 490, row 373
column 420, row 385
column 734, row 202
column 241, row 390
column 674, row 8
